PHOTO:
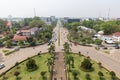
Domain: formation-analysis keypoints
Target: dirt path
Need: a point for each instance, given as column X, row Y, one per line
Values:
column 59, row 72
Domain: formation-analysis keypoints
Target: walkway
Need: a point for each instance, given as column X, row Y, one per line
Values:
column 59, row 72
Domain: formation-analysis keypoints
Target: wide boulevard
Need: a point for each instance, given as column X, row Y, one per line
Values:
column 61, row 35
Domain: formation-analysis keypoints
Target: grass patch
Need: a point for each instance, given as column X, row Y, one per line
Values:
column 107, row 52
column 41, row 61
column 5, row 51
column 83, row 74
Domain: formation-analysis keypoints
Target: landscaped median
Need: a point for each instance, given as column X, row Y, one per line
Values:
column 80, row 67
column 8, row 51
column 35, row 68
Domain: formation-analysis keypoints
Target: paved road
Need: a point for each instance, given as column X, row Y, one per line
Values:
column 59, row 65
column 107, row 61
column 21, row 55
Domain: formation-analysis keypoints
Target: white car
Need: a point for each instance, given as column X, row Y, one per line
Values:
column 2, row 66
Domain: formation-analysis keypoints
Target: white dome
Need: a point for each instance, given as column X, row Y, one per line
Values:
column 101, row 32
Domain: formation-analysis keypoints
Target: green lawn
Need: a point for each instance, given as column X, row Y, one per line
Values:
column 94, row 74
column 41, row 61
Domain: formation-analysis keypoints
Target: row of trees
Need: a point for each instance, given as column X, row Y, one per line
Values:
column 43, row 36
column 108, row 27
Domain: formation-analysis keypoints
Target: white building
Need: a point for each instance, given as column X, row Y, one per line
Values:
column 115, row 37
column 86, row 29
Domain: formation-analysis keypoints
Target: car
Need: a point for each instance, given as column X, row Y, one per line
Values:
column 2, row 66
column 117, row 47
column 105, row 47
column 62, row 49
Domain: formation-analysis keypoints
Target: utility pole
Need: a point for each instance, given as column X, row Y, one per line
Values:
column 109, row 13
column 34, row 12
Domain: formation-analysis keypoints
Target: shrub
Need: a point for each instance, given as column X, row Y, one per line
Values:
column 31, row 65
column 100, row 73
column 112, row 73
column 18, row 78
column 16, row 73
column 75, row 73
column 87, row 76
column 86, row 65
column 43, row 74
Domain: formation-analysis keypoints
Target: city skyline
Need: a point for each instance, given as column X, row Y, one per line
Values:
column 60, row 8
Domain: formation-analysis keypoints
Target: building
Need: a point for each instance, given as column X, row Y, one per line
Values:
column 28, row 32
column 48, row 20
column 19, row 37
column 87, row 29
column 73, row 20
column 23, row 34
column 113, row 38
column 116, row 37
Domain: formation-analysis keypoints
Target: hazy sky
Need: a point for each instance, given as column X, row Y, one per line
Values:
column 60, row 8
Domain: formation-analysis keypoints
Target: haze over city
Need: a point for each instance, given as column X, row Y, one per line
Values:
column 60, row 8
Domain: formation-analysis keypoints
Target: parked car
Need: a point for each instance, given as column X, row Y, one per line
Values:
column 62, row 49
column 117, row 47
column 105, row 47
column 2, row 66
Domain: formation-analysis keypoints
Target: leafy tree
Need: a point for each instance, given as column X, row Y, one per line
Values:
column 51, row 49
column 43, row 74
column 18, row 78
column 98, row 41
column 16, row 73
column 75, row 73
column 87, row 76
column 97, row 27
column 36, row 23
column 2, row 25
column 48, row 35
column 32, row 41
column 1, row 42
column 20, row 43
column 8, row 44
column 68, row 60
column 31, row 65
column 25, row 22
column 86, row 65
column 100, row 74
column 88, row 24
column 112, row 73
column 66, row 47
column 49, row 63
column 110, row 27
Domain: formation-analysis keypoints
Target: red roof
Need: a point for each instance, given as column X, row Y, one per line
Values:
column 18, row 38
column 116, row 34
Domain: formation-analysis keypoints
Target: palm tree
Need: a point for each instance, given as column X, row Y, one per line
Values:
column 75, row 73
column 8, row 44
column 68, row 60
column 43, row 74
column 51, row 49
column 49, row 63
column 66, row 47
